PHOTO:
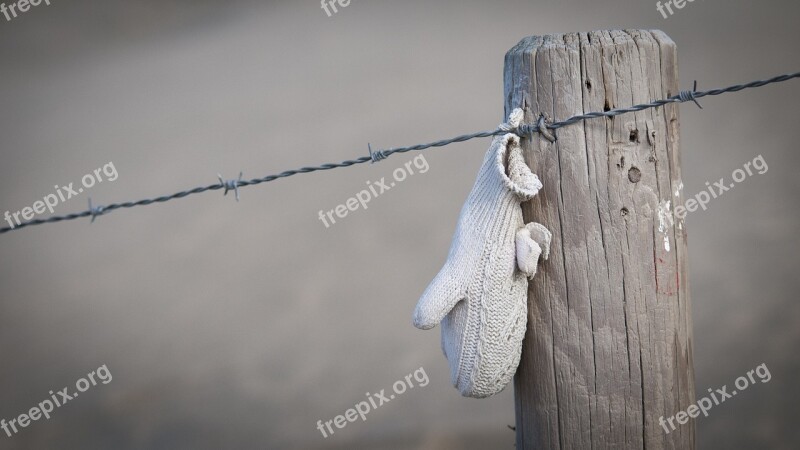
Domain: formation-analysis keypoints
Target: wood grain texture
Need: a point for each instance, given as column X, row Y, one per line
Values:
column 608, row 348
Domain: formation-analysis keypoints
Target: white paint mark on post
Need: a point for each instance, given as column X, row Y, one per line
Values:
column 664, row 220
column 678, row 189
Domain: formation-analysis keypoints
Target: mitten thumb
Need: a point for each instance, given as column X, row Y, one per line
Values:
column 438, row 299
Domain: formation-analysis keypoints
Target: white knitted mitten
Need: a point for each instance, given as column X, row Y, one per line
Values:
column 480, row 295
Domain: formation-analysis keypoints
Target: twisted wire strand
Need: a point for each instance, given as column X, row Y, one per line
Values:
column 523, row 130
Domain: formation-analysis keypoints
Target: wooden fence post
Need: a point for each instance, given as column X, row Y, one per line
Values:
column 608, row 350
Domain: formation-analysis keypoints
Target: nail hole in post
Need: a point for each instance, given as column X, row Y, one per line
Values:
column 634, row 174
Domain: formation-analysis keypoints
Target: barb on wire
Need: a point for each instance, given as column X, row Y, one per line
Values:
column 542, row 127
column 95, row 211
column 231, row 185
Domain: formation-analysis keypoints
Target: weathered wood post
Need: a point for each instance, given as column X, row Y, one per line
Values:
column 608, row 349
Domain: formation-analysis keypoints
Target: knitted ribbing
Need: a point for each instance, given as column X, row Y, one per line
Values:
column 480, row 295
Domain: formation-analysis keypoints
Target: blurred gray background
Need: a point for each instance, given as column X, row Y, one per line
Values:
column 240, row 325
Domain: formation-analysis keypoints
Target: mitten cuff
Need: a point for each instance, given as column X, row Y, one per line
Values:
column 516, row 175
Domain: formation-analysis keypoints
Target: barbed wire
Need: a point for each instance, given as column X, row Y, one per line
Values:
column 542, row 127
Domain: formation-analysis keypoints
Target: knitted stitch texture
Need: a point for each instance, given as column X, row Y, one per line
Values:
column 480, row 295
